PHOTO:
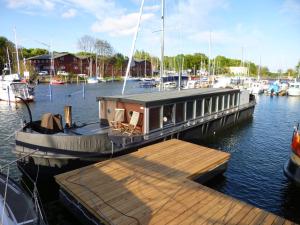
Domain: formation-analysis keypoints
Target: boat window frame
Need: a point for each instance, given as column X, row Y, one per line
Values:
column 226, row 103
column 236, row 99
column 160, row 119
column 201, row 107
column 184, row 112
column 216, row 104
column 173, row 117
column 193, row 109
column 209, row 106
column 220, row 106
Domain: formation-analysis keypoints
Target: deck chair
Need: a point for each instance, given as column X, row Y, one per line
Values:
column 130, row 127
column 118, row 119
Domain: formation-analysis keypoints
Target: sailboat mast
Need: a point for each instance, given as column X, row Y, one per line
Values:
column 162, row 41
column 209, row 53
column 9, row 66
column 17, row 52
column 133, row 46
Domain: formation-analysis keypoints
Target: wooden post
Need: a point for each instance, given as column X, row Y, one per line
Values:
column 68, row 115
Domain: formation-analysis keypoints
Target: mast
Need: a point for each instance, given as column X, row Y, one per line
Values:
column 17, row 52
column 259, row 69
column 8, row 60
column 52, row 72
column 209, row 53
column 162, row 41
column 133, row 46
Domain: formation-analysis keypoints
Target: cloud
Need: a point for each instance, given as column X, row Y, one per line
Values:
column 123, row 25
column 152, row 8
column 31, row 4
column 69, row 13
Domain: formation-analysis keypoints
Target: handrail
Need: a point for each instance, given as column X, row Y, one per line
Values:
column 27, row 106
column 16, row 160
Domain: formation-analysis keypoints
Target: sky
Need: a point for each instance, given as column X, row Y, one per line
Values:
column 265, row 31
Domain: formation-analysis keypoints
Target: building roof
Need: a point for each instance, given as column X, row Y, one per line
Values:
column 48, row 56
column 166, row 97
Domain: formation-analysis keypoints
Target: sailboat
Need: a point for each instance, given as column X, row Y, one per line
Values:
column 11, row 86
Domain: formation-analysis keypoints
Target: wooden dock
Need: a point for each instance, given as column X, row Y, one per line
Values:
column 154, row 186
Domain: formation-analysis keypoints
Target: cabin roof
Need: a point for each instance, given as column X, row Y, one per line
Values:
column 165, row 97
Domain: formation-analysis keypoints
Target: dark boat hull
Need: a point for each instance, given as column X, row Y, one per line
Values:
column 292, row 168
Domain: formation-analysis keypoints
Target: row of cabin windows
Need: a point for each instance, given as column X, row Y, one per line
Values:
column 176, row 113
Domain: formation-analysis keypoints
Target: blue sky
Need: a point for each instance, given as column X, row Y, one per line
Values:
column 269, row 29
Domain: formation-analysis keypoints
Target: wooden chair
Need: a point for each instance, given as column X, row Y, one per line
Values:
column 116, row 124
column 130, row 128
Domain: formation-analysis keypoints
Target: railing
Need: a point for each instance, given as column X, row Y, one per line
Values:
column 177, row 128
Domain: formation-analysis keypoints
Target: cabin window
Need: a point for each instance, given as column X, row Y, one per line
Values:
column 226, row 101
column 214, row 104
column 236, row 98
column 220, row 104
column 168, row 114
column 206, row 106
column 189, row 110
column 292, row 86
column 199, row 108
column 296, row 86
column 231, row 100
column 179, row 112
column 154, row 118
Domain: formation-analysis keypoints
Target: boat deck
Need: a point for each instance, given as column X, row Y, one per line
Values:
column 154, row 186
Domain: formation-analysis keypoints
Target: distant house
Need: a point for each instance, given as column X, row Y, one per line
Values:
column 62, row 62
column 238, row 70
column 75, row 64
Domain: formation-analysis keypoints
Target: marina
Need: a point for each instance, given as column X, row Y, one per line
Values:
column 190, row 125
column 149, row 187
column 252, row 175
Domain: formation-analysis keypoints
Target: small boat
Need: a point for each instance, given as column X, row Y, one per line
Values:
column 274, row 89
column 169, row 85
column 92, row 80
column 12, row 89
column 292, row 167
column 147, row 83
column 56, row 82
column 192, row 84
column 294, row 89
column 16, row 205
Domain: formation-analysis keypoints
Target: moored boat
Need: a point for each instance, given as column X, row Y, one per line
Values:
column 12, row 89
column 294, row 89
column 292, row 167
column 56, row 82
column 16, row 205
column 128, row 122
column 92, row 80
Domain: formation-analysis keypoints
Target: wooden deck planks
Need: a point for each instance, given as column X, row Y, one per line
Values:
column 152, row 186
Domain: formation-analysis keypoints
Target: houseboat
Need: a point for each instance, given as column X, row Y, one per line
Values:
column 128, row 122
column 292, row 167
column 11, row 88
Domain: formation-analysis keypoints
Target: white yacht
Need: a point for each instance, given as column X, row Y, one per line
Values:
column 294, row 89
column 256, row 88
column 11, row 88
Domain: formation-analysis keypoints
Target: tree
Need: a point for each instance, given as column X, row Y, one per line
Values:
column 119, row 62
column 87, row 44
column 142, row 55
column 4, row 45
column 104, row 50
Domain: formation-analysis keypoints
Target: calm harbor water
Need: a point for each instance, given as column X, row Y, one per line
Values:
column 259, row 147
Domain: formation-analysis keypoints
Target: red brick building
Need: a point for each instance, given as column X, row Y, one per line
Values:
column 81, row 65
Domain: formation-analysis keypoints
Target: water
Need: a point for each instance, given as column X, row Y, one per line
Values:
column 259, row 147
